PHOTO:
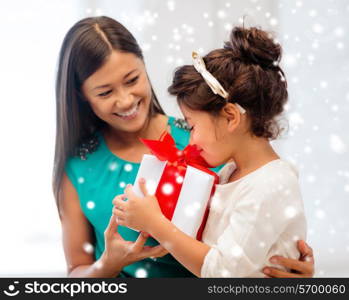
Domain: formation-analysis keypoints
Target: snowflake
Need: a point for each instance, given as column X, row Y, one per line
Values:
column 191, row 210
column 225, row 273
column 273, row 22
column 311, row 178
column 323, row 84
column 151, row 186
column 346, row 188
column 290, row 211
column 179, row 179
column 318, row 28
column 99, row 12
column 236, row 251
column 167, row 188
column 308, row 150
column 313, row 13
column 320, row 214
column 340, row 45
column 339, row 32
column 112, row 166
column 221, row 14
column 261, row 244
column 296, row 119
column 299, row 3
column 146, row 47
column 290, row 60
column 337, row 145
column 171, row 5
column 90, row 205
column 141, row 273
column 295, row 238
column 88, row 248
column 128, row 167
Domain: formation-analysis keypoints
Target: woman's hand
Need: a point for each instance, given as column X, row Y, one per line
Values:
column 119, row 253
column 301, row 268
column 137, row 212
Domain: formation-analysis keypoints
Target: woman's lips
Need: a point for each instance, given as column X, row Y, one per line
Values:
column 130, row 114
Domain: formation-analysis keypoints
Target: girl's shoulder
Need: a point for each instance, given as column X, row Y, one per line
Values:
column 276, row 180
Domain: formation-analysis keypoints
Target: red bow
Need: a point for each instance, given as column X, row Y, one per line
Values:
column 165, row 149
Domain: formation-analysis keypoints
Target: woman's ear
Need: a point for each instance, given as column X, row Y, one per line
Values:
column 232, row 115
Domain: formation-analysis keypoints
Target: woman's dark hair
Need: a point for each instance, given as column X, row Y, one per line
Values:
column 85, row 49
column 248, row 69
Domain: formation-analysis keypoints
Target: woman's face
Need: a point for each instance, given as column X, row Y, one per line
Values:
column 209, row 135
column 119, row 92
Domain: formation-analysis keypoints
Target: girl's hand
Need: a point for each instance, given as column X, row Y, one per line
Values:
column 302, row 268
column 137, row 213
column 119, row 253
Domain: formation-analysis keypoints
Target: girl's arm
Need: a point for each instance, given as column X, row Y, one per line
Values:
column 144, row 214
column 187, row 250
column 243, row 245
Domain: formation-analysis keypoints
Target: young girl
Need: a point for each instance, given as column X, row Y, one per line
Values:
column 105, row 103
column 231, row 100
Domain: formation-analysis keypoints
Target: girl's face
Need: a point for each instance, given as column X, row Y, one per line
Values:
column 210, row 135
column 119, row 92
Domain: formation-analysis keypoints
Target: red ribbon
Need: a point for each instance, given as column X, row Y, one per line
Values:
column 170, row 184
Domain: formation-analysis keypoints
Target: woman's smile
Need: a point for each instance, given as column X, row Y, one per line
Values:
column 131, row 113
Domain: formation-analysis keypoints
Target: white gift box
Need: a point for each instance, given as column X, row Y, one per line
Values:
column 194, row 194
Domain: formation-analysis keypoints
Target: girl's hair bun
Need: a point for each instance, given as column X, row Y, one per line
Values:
column 254, row 46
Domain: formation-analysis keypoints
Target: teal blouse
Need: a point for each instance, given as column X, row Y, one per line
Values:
column 98, row 179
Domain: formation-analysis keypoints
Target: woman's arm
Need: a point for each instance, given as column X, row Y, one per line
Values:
column 77, row 231
column 301, row 268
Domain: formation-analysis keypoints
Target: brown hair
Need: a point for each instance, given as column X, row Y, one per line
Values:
column 248, row 69
column 85, row 49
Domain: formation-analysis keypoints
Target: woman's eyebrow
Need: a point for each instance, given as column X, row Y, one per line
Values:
column 101, row 86
column 129, row 73
column 106, row 85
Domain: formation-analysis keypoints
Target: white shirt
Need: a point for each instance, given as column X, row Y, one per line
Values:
column 252, row 219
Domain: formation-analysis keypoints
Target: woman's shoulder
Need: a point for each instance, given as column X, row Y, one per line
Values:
column 179, row 123
column 179, row 131
column 86, row 154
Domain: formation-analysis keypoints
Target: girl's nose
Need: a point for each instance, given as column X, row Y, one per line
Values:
column 191, row 139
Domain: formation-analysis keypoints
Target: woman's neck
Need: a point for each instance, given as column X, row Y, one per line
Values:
column 253, row 153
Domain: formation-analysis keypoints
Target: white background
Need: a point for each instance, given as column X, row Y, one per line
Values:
column 314, row 35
